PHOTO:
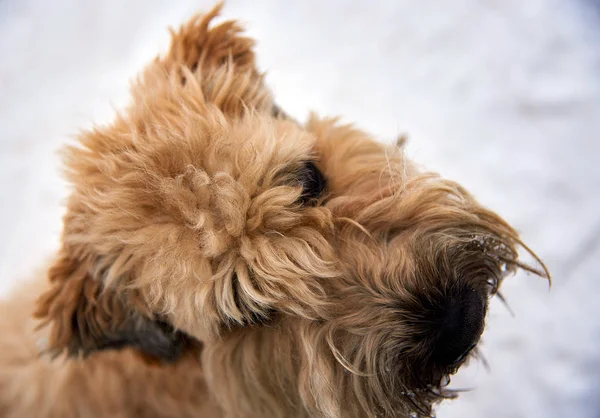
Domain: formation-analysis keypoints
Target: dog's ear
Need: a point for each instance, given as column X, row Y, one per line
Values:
column 219, row 59
column 85, row 316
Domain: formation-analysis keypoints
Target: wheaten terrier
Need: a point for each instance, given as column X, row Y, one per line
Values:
column 219, row 259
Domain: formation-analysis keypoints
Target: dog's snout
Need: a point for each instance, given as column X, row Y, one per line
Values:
column 460, row 326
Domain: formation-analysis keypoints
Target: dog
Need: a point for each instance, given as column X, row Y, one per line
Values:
column 220, row 259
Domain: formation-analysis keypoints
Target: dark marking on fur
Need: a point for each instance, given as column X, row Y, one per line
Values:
column 154, row 339
column 250, row 317
column 277, row 112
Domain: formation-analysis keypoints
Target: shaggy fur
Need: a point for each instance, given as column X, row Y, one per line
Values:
column 221, row 260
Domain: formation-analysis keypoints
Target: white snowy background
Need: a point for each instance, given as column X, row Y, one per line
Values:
column 501, row 95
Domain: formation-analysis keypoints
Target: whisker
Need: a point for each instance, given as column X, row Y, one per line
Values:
column 505, row 303
column 478, row 355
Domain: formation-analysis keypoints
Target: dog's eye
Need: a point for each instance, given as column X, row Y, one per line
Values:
column 313, row 182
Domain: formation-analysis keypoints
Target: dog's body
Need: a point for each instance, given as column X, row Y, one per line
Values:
column 108, row 384
column 276, row 270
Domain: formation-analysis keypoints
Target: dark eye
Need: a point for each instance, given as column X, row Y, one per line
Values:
column 313, row 182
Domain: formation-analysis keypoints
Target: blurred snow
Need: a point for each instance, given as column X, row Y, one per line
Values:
column 501, row 95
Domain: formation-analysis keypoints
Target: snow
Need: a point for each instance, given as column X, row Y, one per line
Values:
column 501, row 95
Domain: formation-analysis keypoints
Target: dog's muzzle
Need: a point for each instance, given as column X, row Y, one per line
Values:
column 459, row 326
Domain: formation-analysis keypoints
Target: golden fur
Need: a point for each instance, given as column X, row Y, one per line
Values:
column 204, row 273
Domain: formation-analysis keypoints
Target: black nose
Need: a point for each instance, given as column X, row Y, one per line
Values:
column 459, row 326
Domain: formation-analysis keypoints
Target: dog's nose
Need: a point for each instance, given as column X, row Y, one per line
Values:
column 461, row 323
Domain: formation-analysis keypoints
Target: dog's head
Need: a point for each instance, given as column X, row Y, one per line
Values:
column 325, row 274
column 419, row 259
column 186, row 219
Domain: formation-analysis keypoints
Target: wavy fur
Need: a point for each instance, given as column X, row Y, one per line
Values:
column 219, row 259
